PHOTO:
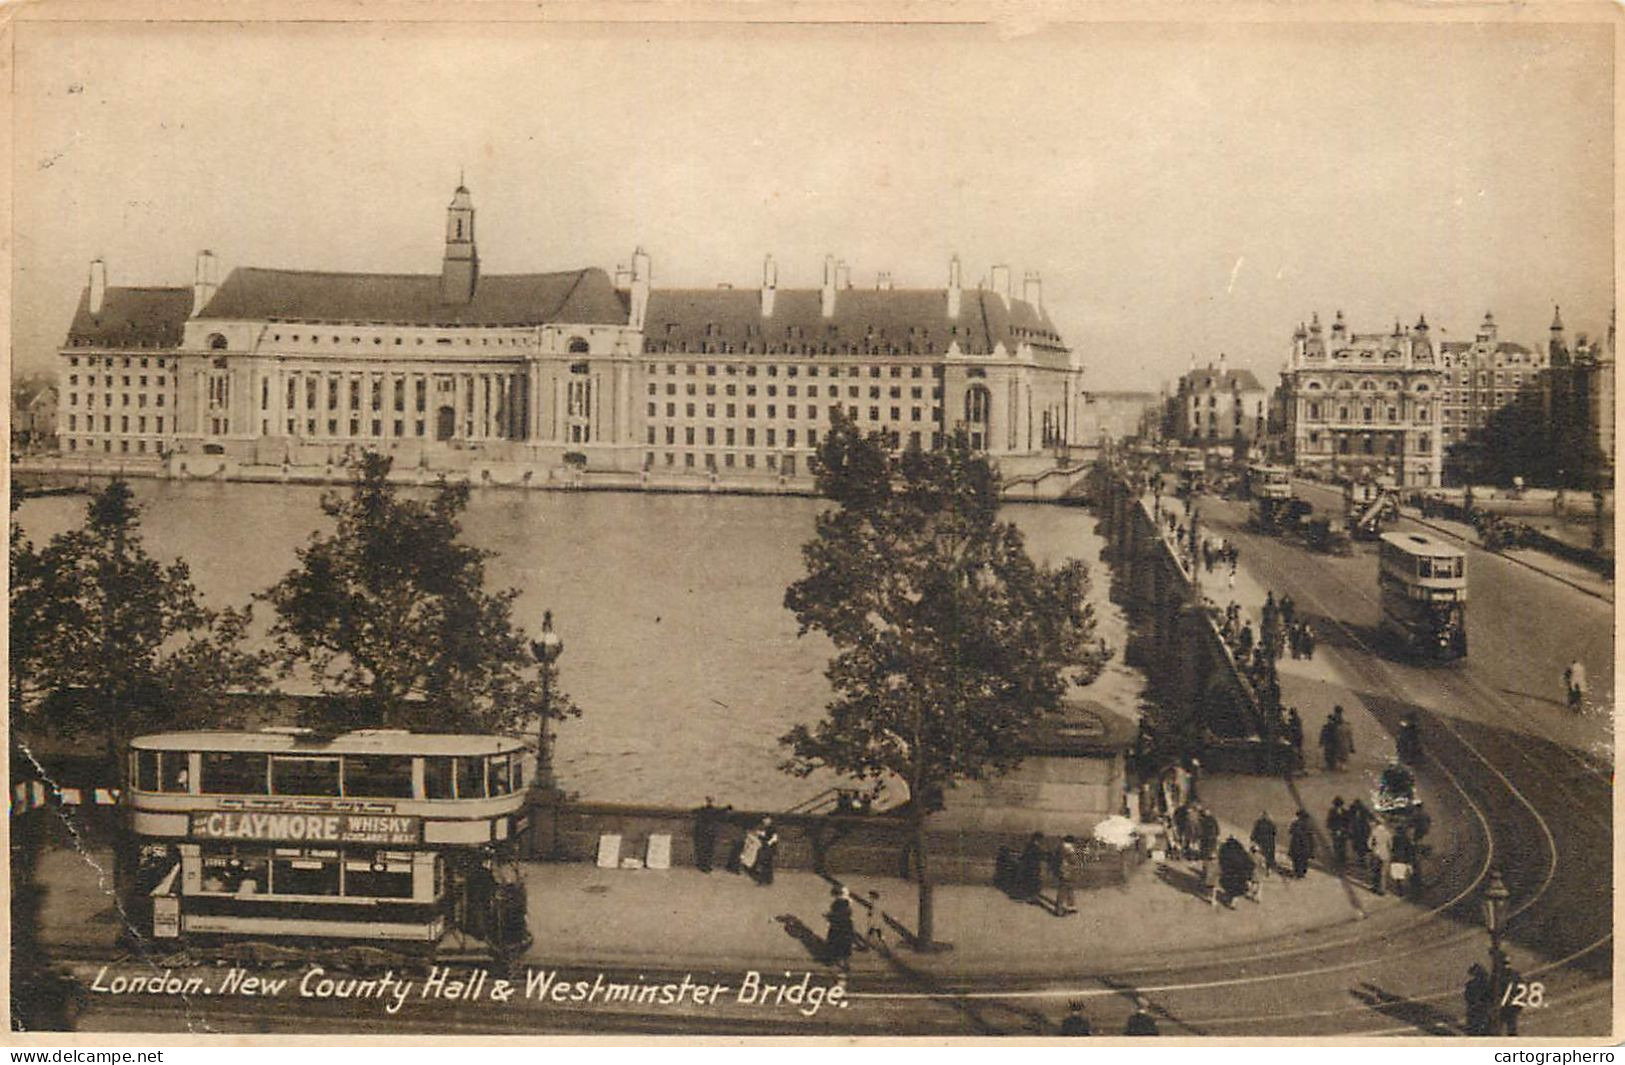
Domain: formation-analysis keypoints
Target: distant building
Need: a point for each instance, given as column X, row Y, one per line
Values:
column 1364, row 403
column 1577, row 399
column 1217, row 405
column 1116, row 415
column 33, row 416
column 1482, row 378
column 458, row 370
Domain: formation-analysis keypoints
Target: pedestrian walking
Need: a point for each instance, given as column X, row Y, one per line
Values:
column 1359, row 827
column 1075, row 1022
column 1184, row 829
column 1288, row 611
column 1260, row 873
column 1336, row 742
column 1141, row 1021
column 1478, row 995
column 1210, row 879
column 1246, row 640
column 874, row 932
column 1030, row 869
column 1207, row 827
column 1402, row 863
column 1574, row 684
column 1066, row 876
column 1294, row 733
column 1301, row 844
column 1337, row 827
column 1263, row 837
column 838, row 942
column 1382, row 854
column 1235, row 870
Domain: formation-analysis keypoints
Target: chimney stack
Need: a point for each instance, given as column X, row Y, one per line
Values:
column 1001, row 282
column 204, row 282
column 98, row 285
column 770, row 285
column 953, row 287
column 883, row 281
column 843, row 275
column 828, row 300
column 1032, row 289
column 640, row 289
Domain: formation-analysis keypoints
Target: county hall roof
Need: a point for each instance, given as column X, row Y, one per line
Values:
column 132, row 318
column 584, row 297
column 865, row 321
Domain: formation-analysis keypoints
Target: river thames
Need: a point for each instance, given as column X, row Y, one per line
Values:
column 678, row 648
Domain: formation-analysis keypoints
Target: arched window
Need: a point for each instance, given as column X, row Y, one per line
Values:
column 578, row 346
column 217, row 342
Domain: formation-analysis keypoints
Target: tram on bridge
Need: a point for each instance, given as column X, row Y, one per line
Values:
column 1422, row 585
column 1269, row 482
column 383, row 837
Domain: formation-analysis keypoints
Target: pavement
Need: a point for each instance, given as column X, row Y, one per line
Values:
column 1573, row 574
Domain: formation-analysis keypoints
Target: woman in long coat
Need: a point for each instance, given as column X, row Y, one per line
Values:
column 838, row 942
column 1235, row 869
column 1301, row 844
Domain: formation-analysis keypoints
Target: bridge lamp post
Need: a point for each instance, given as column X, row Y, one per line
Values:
column 547, row 650
column 1495, row 916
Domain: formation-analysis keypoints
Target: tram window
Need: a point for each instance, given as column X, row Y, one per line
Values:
column 304, row 876
column 292, row 775
column 233, row 773
column 385, row 775
column 471, row 778
column 375, row 877
column 146, row 770
column 500, row 782
column 437, row 778
column 173, row 772
column 228, row 871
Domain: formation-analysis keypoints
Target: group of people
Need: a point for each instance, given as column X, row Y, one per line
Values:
column 1141, row 1022
column 1219, row 552
column 1025, row 880
column 754, row 852
column 1388, row 855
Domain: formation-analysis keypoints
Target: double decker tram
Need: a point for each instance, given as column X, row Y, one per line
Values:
column 1422, row 584
column 386, row 837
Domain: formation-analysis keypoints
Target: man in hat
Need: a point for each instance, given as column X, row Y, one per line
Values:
column 1075, row 1023
column 1141, row 1021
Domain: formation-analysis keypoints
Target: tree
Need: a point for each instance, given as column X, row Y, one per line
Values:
column 389, row 614
column 951, row 643
column 107, row 641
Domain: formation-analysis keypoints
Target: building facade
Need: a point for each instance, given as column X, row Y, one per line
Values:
column 1577, row 398
column 1359, row 404
column 1215, row 404
column 574, row 370
column 1482, row 378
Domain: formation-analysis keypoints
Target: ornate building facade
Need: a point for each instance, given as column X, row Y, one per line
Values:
column 1577, row 397
column 1480, row 378
column 1364, row 403
column 525, row 375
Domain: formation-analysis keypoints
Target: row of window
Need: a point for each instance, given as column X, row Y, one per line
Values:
column 107, row 399
column 790, row 391
column 87, row 444
column 792, row 412
column 350, row 775
column 107, row 362
column 772, row 370
column 322, row 873
column 1368, row 414
column 217, row 341
column 107, row 380
column 123, row 427
column 1343, row 444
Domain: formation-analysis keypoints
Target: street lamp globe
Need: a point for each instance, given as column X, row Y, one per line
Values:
column 548, row 648
column 1495, row 905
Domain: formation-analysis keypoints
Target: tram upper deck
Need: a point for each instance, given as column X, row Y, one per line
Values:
column 446, row 789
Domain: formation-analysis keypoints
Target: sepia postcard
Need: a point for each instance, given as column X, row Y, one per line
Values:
column 831, row 521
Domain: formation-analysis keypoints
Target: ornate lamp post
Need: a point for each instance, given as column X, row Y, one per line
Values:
column 1495, row 916
column 547, row 650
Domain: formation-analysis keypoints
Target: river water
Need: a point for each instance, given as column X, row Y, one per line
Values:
column 678, row 648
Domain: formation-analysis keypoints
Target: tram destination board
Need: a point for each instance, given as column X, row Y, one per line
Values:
column 392, row 829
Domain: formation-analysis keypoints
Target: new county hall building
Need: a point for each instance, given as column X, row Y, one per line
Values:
column 509, row 376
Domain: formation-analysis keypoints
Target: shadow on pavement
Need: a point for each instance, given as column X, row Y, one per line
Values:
column 797, row 930
column 1428, row 1018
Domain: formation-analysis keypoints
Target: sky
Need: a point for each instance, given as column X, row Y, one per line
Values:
column 1184, row 190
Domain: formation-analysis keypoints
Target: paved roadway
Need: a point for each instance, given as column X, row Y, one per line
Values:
column 1531, row 785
